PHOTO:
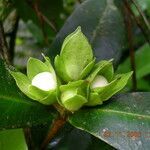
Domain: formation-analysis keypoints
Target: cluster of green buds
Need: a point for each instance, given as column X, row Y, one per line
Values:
column 78, row 81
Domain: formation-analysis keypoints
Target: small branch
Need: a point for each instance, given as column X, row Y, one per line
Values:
column 13, row 38
column 147, row 37
column 4, row 52
column 56, row 126
column 28, row 137
column 142, row 14
column 42, row 18
column 79, row 1
column 48, row 22
column 128, row 23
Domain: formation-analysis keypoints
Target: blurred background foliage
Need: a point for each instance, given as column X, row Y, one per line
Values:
column 39, row 21
column 30, row 27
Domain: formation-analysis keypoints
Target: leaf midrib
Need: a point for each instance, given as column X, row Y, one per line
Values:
column 125, row 113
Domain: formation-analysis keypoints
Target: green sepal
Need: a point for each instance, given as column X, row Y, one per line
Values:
column 38, row 93
column 50, row 67
column 60, row 69
column 75, row 55
column 87, row 69
column 103, row 67
column 74, row 103
column 35, row 66
column 48, row 64
column 107, row 71
column 113, row 87
column 74, row 95
column 23, row 83
column 70, row 85
column 50, row 99
column 94, row 99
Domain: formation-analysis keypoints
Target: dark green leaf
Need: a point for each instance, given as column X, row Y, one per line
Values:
column 70, row 138
column 101, row 22
column 16, row 110
column 123, row 122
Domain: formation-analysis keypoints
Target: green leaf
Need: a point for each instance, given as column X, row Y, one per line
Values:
column 142, row 62
column 76, row 139
column 144, row 5
column 142, row 56
column 123, row 122
column 76, row 54
column 12, row 140
column 105, row 31
column 16, row 110
column 5, row 9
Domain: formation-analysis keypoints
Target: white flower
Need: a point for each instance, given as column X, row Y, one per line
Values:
column 44, row 81
column 99, row 81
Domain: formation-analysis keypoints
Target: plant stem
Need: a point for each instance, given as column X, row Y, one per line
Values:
column 4, row 52
column 28, row 137
column 128, row 23
column 13, row 38
column 56, row 126
column 138, row 22
column 79, row 1
column 40, row 15
column 142, row 14
column 40, row 18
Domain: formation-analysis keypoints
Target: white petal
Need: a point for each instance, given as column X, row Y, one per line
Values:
column 44, row 81
column 99, row 81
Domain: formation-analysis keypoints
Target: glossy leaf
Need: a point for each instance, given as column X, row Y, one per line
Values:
column 105, row 30
column 81, row 140
column 123, row 122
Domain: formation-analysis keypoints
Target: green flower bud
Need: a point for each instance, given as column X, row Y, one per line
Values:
column 40, row 84
column 76, row 57
column 104, row 84
column 73, row 95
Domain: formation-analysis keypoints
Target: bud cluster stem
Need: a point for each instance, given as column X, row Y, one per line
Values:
column 56, row 125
